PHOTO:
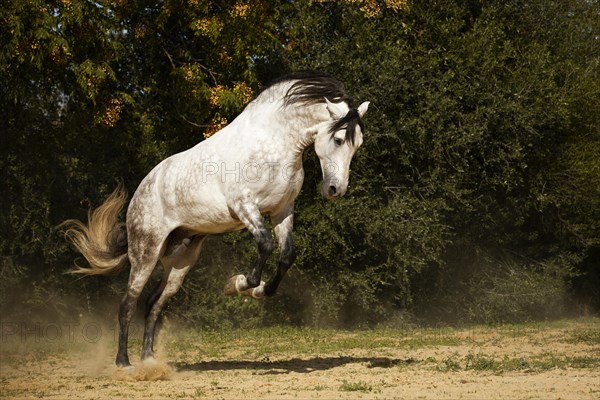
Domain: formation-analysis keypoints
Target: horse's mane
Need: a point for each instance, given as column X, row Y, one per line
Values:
column 312, row 87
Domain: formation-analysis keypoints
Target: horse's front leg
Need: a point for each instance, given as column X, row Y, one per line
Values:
column 250, row 284
column 283, row 226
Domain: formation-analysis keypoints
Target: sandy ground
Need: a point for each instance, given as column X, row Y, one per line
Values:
column 557, row 362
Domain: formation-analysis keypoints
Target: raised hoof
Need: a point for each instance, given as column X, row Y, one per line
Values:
column 232, row 285
column 256, row 293
column 239, row 285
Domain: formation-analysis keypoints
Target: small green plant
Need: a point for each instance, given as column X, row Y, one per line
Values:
column 448, row 364
column 480, row 362
column 515, row 364
column 547, row 361
column 358, row 386
column 583, row 362
column 587, row 336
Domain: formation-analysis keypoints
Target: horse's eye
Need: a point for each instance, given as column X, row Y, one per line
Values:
column 338, row 141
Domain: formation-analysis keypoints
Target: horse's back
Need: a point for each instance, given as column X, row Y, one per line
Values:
column 182, row 191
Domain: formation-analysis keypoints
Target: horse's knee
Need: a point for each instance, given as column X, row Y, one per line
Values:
column 265, row 243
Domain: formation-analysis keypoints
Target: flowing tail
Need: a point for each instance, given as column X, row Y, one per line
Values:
column 103, row 241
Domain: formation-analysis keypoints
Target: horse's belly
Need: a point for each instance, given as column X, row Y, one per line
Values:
column 212, row 228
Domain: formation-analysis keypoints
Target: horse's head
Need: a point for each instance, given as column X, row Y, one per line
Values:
column 336, row 143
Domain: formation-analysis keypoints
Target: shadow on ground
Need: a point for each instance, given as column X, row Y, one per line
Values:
column 293, row 365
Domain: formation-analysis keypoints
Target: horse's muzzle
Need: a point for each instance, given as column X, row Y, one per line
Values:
column 331, row 192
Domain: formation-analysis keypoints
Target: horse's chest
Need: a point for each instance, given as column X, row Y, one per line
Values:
column 280, row 191
column 277, row 197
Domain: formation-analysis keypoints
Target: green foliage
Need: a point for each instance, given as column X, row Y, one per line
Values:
column 542, row 362
column 481, row 362
column 449, row 364
column 473, row 110
column 475, row 195
column 358, row 386
column 517, row 292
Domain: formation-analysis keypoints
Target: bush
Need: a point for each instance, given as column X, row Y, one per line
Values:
column 487, row 289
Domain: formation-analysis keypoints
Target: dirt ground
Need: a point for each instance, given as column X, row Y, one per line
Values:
column 545, row 361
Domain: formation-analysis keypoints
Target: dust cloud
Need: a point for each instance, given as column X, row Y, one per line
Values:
column 154, row 370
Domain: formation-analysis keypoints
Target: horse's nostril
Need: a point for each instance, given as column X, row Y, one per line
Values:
column 332, row 190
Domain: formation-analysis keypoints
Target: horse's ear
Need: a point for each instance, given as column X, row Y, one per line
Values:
column 336, row 110
column 362, row 109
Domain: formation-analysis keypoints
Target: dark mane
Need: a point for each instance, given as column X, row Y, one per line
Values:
column 312, row 87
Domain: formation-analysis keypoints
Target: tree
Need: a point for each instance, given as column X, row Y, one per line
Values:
column 474, row 105
column 478, row 171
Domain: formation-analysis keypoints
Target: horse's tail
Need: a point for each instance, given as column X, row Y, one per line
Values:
column 103, row 241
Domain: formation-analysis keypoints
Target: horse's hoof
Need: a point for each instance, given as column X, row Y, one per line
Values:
column 123, row 363
column 259, row 292
column 234, row 284
column 239, row 285
column 256, row 293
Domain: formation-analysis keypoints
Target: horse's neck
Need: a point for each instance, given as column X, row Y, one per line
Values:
column 302, row 124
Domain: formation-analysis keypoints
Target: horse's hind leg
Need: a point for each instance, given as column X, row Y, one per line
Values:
column 137, row 281
column 176, row 268
column 143, row 258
